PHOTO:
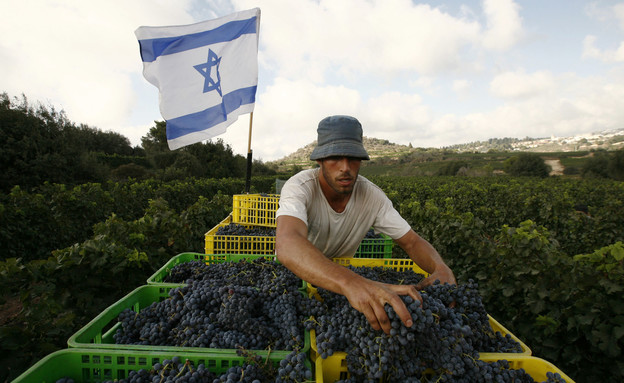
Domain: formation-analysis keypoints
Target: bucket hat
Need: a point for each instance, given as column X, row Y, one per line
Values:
column 339, row 136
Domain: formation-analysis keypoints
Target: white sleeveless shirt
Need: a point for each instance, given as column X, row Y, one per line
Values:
column 339, row 234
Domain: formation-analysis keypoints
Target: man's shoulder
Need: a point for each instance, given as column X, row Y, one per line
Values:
column 304, row 176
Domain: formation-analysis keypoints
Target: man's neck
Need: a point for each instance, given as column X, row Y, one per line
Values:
column 338, row 202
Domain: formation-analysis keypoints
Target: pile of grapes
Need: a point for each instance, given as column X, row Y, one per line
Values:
column 263, row 273
column 242, row 230
column 258, row 305
column 450, row 328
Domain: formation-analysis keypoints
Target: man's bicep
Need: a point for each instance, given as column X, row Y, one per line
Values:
column 288, row 225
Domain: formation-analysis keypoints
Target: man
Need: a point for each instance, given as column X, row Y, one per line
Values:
column 326, row 212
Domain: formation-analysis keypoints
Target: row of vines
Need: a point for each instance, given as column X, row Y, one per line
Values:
column 547, row 253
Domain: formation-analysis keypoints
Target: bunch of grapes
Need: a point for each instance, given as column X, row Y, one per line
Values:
column 201, row 315
column 265, row 274
column 238, row 229
column 449, row 329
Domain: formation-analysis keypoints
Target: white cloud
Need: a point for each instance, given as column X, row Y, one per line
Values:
column 461, row 87
column 287, row 114
column 504, row 24
column 354, row 37
column 392, row 115
column 618, row 11
column 79, row 55
column 591, row 51
column 519, row 85
column 574, row 105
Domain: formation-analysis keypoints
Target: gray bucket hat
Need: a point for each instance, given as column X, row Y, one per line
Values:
column 339, row 136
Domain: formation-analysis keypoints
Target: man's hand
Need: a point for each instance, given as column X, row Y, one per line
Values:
column 369, row 298
column 443, row 274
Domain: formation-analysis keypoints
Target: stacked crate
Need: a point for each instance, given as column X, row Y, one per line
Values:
column 255, row 211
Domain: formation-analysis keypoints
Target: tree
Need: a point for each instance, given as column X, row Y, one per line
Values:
column 451, row 168
column 605, row 165
column 209, row 159
column 596, row 166
column 39, row 143
column 526, row 165
column 616, row 165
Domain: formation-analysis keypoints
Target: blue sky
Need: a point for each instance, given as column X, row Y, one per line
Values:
column 429, row 73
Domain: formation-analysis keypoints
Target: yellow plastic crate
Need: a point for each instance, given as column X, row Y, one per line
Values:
column 263, row 245
column 335, row 367
column 237, row 244
column 255, row 209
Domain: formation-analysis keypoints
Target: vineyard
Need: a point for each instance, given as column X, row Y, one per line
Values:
column 547, row 255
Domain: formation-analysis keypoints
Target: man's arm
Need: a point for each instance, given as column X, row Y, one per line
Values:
column 424, row 255
column 299, row 255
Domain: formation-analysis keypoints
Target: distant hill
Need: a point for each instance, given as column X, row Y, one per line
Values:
column 385, row 152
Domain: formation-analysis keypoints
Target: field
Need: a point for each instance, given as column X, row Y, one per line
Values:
column 546, row 253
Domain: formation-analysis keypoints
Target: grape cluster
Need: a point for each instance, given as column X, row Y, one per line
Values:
column 265, row 274
column 242, row 230
column 200, row 315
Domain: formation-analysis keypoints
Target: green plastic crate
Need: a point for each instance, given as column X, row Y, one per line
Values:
column 375, row 247
column 98, row 334
column 95, row 366
column 335, row 368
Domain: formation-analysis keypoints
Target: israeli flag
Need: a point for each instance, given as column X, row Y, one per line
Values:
column 206, row 73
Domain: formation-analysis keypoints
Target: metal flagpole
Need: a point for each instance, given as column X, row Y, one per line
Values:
column 249, row 155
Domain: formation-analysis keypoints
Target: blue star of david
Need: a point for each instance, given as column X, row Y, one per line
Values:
column 205, row 70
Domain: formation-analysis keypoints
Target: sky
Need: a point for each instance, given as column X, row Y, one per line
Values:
column 426, row 73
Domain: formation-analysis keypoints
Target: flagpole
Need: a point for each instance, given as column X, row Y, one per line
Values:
column 249, row 155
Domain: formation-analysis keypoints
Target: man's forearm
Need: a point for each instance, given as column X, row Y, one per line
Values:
column 426, row 256
column 299, row 255
column 309, row 264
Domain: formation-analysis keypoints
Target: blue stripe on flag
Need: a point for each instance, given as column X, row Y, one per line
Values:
column 206, row 119
column 151, row 49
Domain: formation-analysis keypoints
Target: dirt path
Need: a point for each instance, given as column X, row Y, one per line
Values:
column 556, row 167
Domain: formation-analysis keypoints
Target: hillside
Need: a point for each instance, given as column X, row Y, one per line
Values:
column 409, row 160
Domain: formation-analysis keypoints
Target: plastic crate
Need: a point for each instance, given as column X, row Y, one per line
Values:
column 375, row 247
column 99, row 332
column 255, row 209
column 237, row 244
column 265, row 245
column 158, row 277
column 334, row 367
column 399, row 264
column 95, row 366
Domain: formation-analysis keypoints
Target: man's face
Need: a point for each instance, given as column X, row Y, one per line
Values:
column 340, row 173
